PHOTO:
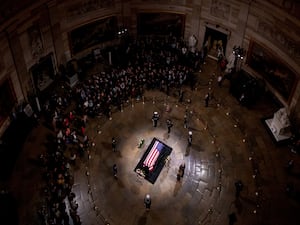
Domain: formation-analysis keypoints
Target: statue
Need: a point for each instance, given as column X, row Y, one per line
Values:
column 35, row 42
column 280, row 124
column 231, row 64
column 192, row 43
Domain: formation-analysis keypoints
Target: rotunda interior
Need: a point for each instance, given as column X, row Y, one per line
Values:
column 149, row 112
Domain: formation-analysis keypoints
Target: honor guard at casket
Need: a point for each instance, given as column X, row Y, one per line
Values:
column 155, row 119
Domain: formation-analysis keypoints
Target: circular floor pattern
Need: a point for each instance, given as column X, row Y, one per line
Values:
column 201, row 197
column 229, row 143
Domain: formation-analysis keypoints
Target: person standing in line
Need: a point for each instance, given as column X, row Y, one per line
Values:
column 155, row 119
column 84, row 118
column 185, row 121
column 206, row 99
column 190, row 138
column 114, row 144
column 180, row 95
column 290, row 166
column 147, row 202
column 238, row 188
column 82, row 128
column 115, row 170
column 220, row 79
column 54, row 123
column 169, row 125
column 182, row 168
column 178, row 175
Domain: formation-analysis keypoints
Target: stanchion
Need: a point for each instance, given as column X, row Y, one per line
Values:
column 206, row 126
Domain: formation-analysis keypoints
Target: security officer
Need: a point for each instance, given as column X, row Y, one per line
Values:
column 155, row 119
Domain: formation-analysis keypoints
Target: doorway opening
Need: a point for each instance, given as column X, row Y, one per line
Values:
column 215, row 41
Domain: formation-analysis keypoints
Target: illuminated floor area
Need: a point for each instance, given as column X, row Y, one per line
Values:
column 230, row 143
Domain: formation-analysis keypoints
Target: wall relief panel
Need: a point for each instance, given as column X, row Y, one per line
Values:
column 93, row 33
column 278, row 75
column 286, row 44
column 161, row 24
column 220, row 9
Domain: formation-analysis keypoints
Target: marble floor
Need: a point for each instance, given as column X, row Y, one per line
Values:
column 230, row 143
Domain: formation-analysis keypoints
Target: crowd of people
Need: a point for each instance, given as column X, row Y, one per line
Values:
column 69, row 143
column 161, row 64
column 150, row 64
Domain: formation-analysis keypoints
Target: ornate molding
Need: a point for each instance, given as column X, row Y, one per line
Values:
column 86, row 6
column 280, row 39
column 180, row 2
column 292, row 7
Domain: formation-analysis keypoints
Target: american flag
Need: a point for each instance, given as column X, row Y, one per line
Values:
column 153, row 155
